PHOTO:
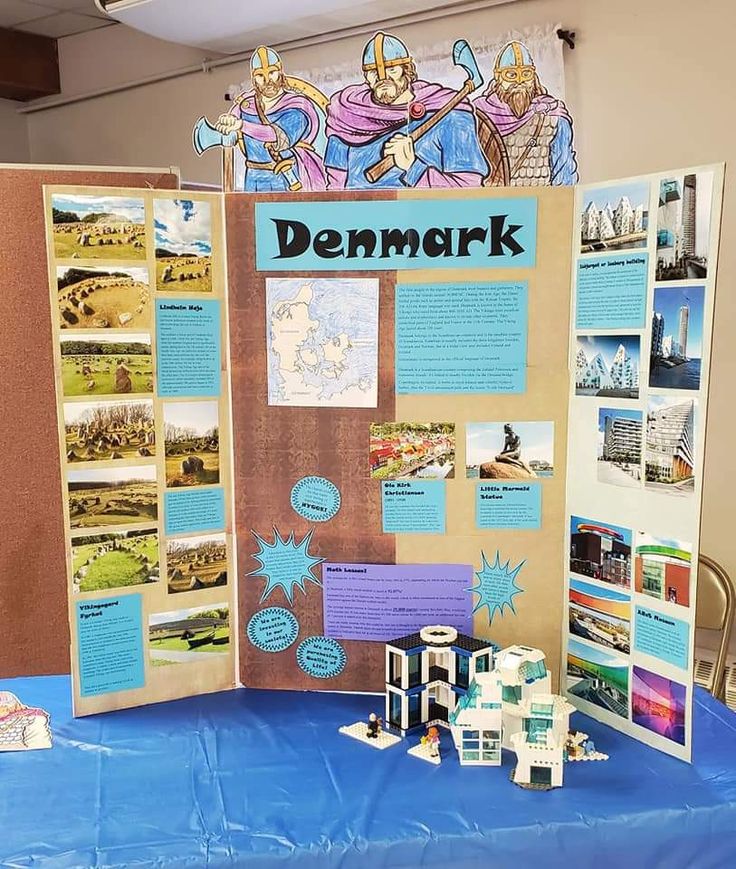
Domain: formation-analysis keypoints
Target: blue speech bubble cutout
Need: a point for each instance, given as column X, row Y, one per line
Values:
column 321, row 657
column 285, row 564
column 496, row 586
column 273, row 629
column 315, row 499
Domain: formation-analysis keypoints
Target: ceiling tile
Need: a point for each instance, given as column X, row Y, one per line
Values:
column 14, row 12
column 63, row 24
column 85, row 7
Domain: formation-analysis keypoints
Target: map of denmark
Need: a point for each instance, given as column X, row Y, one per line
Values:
column 322, row 342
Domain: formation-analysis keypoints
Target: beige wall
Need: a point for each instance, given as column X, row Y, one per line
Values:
column 14, row 145
column 648, row 83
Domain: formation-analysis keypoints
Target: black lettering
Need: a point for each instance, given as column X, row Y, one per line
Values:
column 364, row 238
column 501, row 238
column 328, row 244
column 397, row 240
column 438, row 242
column 468, row 234
column 293, row 237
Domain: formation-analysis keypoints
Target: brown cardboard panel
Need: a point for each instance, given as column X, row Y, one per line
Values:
column 32, row 561
column 276, row 446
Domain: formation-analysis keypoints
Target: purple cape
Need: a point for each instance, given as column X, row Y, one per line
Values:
column 507, row 122
column 309, row 162
column 356, row 119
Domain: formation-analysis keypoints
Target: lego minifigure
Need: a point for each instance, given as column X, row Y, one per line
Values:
column 432, row 739
column 374, row 726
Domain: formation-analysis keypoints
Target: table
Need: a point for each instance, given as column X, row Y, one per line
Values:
column 262, row 779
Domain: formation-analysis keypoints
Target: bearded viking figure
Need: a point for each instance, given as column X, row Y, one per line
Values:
column 535, row 127
column 372, row 120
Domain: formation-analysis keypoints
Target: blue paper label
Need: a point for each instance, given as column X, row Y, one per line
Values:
column 462, row 337
column 611, row 291
column 413, row 506
column 194, row 510
column 188, row 347
column 273, row 629
column 662, row 636
column 396, row 234
column 508, row 505
column 315, row 499
column 321, row 657
column 110, row 645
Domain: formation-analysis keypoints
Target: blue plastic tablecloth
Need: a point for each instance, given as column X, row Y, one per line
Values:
column 261, row 779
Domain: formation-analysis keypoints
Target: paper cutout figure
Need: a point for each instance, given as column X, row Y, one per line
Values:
column 22, row 728
column 536, row 128
column 496, row 586
column 395, row 130
column 277, row 126
column 285, row 564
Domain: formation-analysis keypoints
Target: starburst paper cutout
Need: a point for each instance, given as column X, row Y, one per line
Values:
column 285, row 564
column 496, row 586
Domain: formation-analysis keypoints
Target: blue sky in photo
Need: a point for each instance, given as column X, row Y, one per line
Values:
column 127, row 207
column 603, row 412
column 669, row 300
column 183, row 226
column 484, row 441
column 597, row 591
column 637, row 191
column 607, row 345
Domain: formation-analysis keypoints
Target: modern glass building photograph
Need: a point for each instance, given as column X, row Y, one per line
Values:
column 662, row 569
column 619, row 446
column 669, row 459
column 600, row 551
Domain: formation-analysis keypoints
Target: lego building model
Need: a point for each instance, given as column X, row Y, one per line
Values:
column 488, row 698
column 427, row 672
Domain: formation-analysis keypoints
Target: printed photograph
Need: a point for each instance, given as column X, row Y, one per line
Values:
column 104, row 363
column 607, row 366
column 670, row 446
column 600, row 615
column 183, row 233
column 193, row 563
column 112, row 496
column 425, row 450
column 98, row 227
column 598, row 676
column 615, row 217
column 677, row 337
column 101, row 430
column 662, row 568
column 600, row 551
column 114, row 560
column 103, row 298
column 192, row 443
column 509, row 450
column 619, row 446
column 658, row 704
column 683, row 226
column 189, row 635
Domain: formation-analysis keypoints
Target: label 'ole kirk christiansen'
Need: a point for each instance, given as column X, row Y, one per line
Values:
column 396, row 234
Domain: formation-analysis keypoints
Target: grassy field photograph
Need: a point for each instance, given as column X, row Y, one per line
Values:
column 196, row 562
column 183, row 236
column 112, row 496
column 103, row 364
column 189, row 635
column 98, row 227
column 191, row 443
column 103, row 298
column 114, row 560
column 101, row 430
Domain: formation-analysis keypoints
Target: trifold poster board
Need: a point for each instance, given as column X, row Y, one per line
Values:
column 397, row 403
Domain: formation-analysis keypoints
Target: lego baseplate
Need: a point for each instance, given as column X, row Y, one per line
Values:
column 359, row 731
column 423, row 752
